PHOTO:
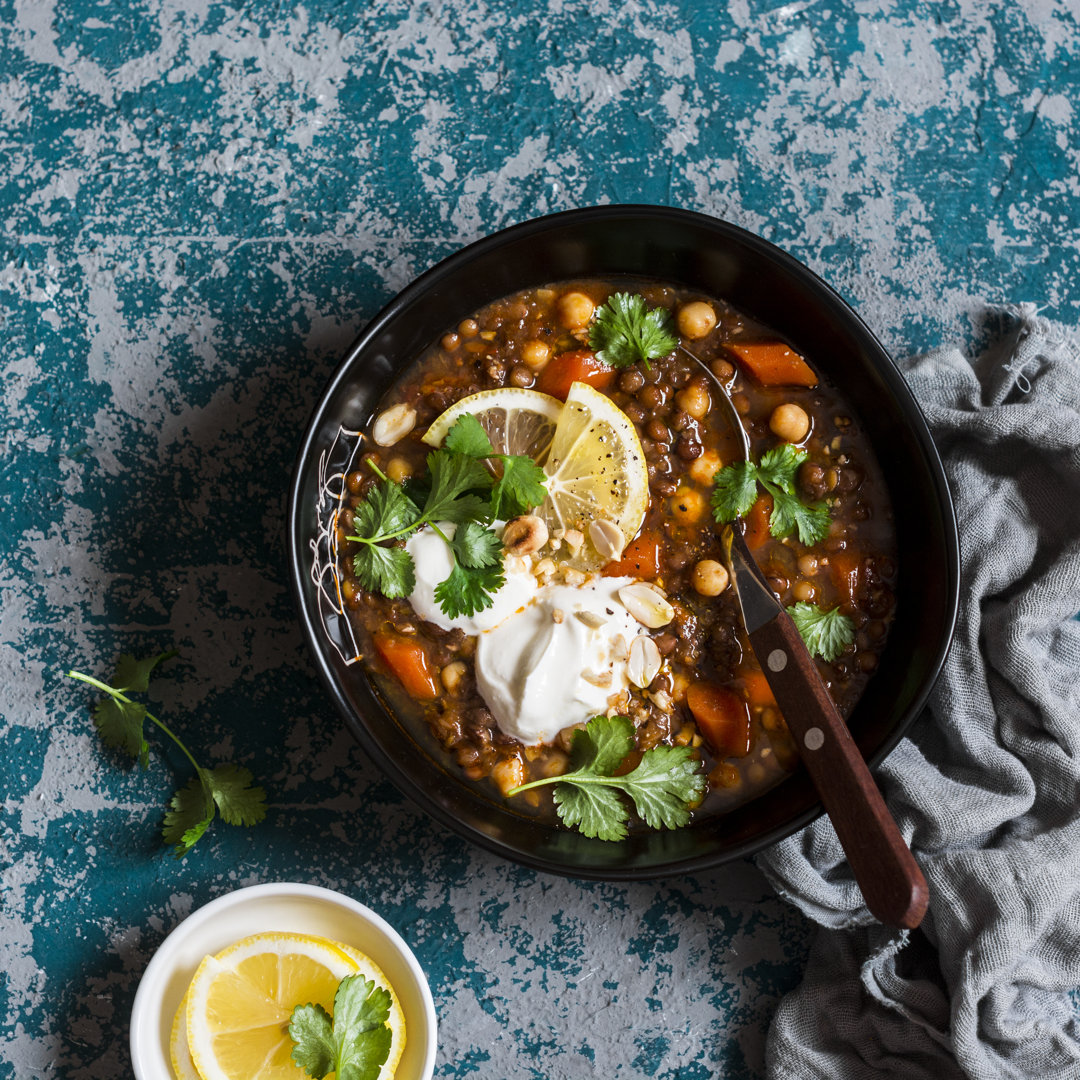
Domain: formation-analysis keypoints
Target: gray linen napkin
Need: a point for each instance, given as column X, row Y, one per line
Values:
column 987, row 787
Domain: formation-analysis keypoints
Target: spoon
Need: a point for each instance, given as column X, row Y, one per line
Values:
column 892, row 884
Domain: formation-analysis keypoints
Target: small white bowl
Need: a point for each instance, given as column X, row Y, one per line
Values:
column 293, row 908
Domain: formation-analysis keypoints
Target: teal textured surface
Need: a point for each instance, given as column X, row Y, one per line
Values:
column 201, row 205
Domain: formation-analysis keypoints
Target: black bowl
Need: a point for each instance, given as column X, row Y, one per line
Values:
column 771, row 287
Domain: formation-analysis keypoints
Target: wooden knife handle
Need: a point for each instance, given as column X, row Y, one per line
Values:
column 892, row 883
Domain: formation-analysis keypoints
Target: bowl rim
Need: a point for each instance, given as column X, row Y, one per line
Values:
column 824, row 295
column 156, row 973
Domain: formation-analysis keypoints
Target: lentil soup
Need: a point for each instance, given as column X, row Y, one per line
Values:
column 707, row 691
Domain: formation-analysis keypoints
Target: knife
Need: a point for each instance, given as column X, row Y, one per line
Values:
column 892, row 884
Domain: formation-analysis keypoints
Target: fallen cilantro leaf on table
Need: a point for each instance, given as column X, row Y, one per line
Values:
column 662, row 787
column 459, row 488
column 735, row 490
column 228, row 789
column 352, row 1044
column 625, row 331
column 826, row 633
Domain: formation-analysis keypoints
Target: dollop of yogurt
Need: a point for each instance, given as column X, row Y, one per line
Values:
column 433, row 563
column 558, row 661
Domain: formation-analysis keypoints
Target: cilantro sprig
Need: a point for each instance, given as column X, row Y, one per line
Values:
column 735, row 489
column 352, row 1044
column 458, row 489
column 227, row 790
column 625, row 331
column 826, row 633
column 662, row 786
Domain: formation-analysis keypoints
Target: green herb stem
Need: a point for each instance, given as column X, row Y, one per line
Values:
column 113, row 692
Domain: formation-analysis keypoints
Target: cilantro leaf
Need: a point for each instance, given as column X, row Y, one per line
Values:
column 386, row 570
column 663, row 785
column 354, row 1043
column 597, row 811
column 603, row 744
column 625, row 331
column 468, row 437
column 519, row 489
column 474, row 546
column 453, row 478
column 734, row 491
column 132, row 674
column 789, row 515
column 826, row 633
column 228, row 788
column 239, row 800
column 469, row 589
column 665, row 780
column 387, row 511
column 779, row 465
column 312, row 1032
column 189, row 815
column 120, row 725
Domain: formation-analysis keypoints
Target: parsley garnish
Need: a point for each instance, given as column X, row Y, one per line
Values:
column 459, row 489
column 354, row 1043
column 625, row 330
column 662, row 786
column 826, row 633
column 735, row 489
column 226, row 790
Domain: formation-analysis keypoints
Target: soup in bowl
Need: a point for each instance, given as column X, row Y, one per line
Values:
column 505, row 534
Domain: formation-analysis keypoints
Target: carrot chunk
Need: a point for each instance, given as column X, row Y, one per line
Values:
column 772, row 363
column 580, row 365
column 721, row 717
column 845, row 568
column 641, row 559
column 757, row 522
column 410, row 664
column 757, row 689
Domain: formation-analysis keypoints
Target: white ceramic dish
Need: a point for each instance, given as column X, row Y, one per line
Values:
column 285, row 906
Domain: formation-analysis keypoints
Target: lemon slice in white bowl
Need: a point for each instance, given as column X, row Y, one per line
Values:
column 240, row 1003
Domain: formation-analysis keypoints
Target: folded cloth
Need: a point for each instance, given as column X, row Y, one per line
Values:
column 987, row 787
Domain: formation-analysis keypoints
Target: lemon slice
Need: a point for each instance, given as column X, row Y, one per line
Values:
column 240, row 1003
column 179, row 1054
column 595, row 471
column 517, row 421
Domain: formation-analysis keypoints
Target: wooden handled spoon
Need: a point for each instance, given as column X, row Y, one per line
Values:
column 892, row 883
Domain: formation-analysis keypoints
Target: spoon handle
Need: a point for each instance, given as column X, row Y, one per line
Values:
column 892, row 883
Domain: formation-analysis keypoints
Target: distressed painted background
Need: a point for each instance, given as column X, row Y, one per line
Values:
column 201, row 204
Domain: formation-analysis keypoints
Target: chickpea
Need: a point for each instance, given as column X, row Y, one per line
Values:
column 790, row 423
column 709, row 577
column 687, row 506
column 397, row 469
column 694, row 400
column 452, row 675
column 696, row 320
column 468, row 328
column 508, row 773
column 804, row 591
column 808, row 565
column 575, row 310
column 705, row 468
column 536, row 354
column 450, row 341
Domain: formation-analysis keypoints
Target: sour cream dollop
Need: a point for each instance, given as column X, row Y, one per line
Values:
column 433, row 563
column 558, row 661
